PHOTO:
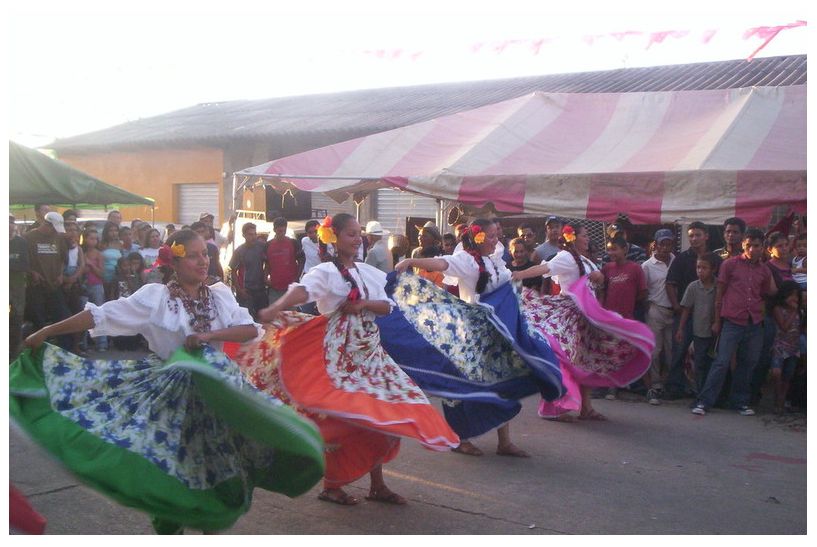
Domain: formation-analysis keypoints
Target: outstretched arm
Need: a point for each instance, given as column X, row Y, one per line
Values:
column 294, row 296
column 237, row 333
column 427, row 264
column 76, row 323
column 533, row 271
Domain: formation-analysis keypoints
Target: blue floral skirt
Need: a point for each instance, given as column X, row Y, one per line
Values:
column 480, row 358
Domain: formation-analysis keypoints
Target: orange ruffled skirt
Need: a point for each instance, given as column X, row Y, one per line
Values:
column 333, row 370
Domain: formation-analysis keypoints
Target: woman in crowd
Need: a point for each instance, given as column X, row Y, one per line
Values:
column 94, row 271
column 333, row 369
column 431, row 245
column 596, row 347
column 474, row 350
column 150, row 252
column 179, row 435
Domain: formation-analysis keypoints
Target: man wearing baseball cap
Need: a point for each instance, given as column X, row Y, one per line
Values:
column 47, row 252
column 378, row 254
column 659, row 317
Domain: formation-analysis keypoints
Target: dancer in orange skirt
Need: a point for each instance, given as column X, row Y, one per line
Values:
column 333, row 369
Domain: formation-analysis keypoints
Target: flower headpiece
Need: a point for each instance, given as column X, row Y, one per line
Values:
column 569, row 234
column 477, row 233
column 167, row 252
column 326, row 233
column 177, row 249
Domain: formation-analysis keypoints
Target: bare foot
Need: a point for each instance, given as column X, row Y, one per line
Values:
column 384, row 495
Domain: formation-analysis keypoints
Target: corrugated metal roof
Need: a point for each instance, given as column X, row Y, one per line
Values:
column 373, row 110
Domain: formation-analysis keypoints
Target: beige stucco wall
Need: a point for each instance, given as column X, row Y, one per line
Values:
column 154, row 174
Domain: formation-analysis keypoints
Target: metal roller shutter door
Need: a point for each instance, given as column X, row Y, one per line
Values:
column 195, row 199
column 394, row 206
column 322, row 201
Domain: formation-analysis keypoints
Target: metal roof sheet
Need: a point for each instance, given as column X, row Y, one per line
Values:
column 373, row 110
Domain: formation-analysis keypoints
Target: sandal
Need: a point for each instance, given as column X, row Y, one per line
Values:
column 564, row 418
column 511, row 450
column 338, row 496
column 468, row 449
column 386, row 496
column 593, row 415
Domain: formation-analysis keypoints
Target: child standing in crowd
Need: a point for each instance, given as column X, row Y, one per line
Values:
column 111, row 249
column 624, row 285
column 788, row 316
column 798, row 262
column 699, row 302
column 94, row 268
column 623, row 280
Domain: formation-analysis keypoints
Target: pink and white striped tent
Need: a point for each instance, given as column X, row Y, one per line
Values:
column 657, row 156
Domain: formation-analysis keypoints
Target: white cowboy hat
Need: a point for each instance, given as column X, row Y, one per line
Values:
column 374, row 228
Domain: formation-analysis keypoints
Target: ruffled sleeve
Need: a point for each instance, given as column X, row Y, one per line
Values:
column 562, row 264
column 462, row 266
column 319, row 281
column 127, row 316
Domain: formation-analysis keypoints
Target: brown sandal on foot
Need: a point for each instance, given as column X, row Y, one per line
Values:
column 468, row 449
column 593, row 415
column 338, row 496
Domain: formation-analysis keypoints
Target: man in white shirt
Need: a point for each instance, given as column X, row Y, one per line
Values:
column 378, row 254
column 659, row 314
column 309, row 246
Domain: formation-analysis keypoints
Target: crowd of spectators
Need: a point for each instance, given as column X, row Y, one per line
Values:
column 725, row 320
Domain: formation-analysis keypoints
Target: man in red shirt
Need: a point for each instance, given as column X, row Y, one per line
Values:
column 283, row 267
column 743, row 282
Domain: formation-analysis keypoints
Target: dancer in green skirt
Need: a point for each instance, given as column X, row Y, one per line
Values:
column 179, row 434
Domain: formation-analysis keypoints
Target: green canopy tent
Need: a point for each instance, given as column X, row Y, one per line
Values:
column 36, row 178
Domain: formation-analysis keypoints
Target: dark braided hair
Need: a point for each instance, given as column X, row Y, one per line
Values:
column 571, row 248
column 470, row 246
column 339, row 223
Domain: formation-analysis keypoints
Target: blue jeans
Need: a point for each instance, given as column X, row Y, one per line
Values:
column 676, row 380
column 747, row 341
column 761, row 371
column 703, row 361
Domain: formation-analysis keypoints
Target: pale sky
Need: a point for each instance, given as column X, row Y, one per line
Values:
column 74, row 67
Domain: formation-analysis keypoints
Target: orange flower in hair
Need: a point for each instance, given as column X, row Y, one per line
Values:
column 326, row 233
column 569, row 234
column 477, row 233
column 177, row 249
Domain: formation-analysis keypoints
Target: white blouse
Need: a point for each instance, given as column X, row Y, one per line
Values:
column 564, row 270
column 463, row 267
column 162, row 320
column 325, row 285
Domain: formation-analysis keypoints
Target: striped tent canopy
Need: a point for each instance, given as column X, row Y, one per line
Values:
column 659, row 157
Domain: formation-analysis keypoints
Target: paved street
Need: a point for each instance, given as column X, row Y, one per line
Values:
column 649, row 470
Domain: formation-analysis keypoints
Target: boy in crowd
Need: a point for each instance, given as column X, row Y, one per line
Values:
column 548, row 249
column 521, row 260
column 699, row 303
column 743, row 282
column 659, row 317
column 681, row 273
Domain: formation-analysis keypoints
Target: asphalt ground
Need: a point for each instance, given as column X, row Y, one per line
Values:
column 648, row 470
